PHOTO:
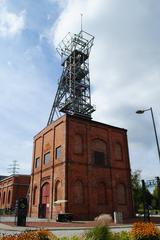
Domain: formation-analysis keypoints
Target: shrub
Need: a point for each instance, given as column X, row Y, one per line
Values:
column 103, row 220
column 145, row 231
column 31, row 235
column 74, row 238
column 69, row 238
column 46, row 235
column 121, row 236
column 63, row 238
column 98, row 233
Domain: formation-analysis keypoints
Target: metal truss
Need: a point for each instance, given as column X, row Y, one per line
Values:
column 73, row 93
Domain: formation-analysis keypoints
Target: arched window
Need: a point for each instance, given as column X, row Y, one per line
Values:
column 35, row 195
column 99, row 153
column 121, row 194
column 58, row 190
column 118, row 151
column 78, row 144
column 4, row 196
column 101, row 193
column 9, row 196
column 78, row 192
column 45, row 193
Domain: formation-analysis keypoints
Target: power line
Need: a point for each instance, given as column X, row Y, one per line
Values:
column 13, row 167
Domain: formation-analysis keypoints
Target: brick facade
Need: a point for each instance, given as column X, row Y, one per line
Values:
column 83, row 162
column 13, row 188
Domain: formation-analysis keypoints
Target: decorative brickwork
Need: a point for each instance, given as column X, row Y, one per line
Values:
column 13, row 188
column 88, row 172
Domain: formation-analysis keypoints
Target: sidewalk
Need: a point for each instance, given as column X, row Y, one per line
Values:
column 8, row 228
column 13, row 228
column 8, row 224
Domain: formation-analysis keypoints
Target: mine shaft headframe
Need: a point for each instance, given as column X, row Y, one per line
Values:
column 73, row 93
column 82, row 42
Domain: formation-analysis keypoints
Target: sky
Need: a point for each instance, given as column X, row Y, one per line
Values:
column 124, row 71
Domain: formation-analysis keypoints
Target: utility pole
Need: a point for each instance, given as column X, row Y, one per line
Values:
column 13, row 167
column 145, row 203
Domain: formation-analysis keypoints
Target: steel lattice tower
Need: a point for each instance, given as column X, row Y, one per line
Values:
column 73, row 93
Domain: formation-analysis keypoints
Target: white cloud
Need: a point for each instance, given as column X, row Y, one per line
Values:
column 124, row 65
column 10, row 23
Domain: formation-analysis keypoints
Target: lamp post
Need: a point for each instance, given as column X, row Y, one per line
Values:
column 154, row 126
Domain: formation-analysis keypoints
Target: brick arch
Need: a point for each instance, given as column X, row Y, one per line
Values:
column 78, row 192
column 99, row 152
column 9, row 197
column 101, row 193
column 58, row 190
column 44, row 200
column 78, row 143
column 4, row 197
column 45, row 193
column 0, row 198
column 121, row 194
column 118, row 151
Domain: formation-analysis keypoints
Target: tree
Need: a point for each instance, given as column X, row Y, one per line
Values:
column 156, row 197
column 137, row 189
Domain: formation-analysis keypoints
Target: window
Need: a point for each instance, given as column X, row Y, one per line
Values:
column 37, row 162
column 99, row 153
column 58, row 152
column 47, row 157
column 118, row 151
column 99, row 158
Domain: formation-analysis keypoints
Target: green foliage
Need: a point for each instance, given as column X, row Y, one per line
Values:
column 74, row 238
column 137, row 189
column 63, row 238
column 98, row 233
column 155, row 200
column 69, row 238
column 121, row 236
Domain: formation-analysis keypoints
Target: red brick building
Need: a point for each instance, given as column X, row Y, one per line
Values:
column 85, row 165
column 13, row 188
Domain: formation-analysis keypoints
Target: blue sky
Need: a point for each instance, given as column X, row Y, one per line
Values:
column 124, row 70
column 28, row 76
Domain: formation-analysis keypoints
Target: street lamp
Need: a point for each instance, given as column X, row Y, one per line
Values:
column 154, row 126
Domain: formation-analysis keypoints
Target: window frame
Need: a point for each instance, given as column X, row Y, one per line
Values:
column 44, row 157
column 58, row 152
column 37, row 162
column 96, row 158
